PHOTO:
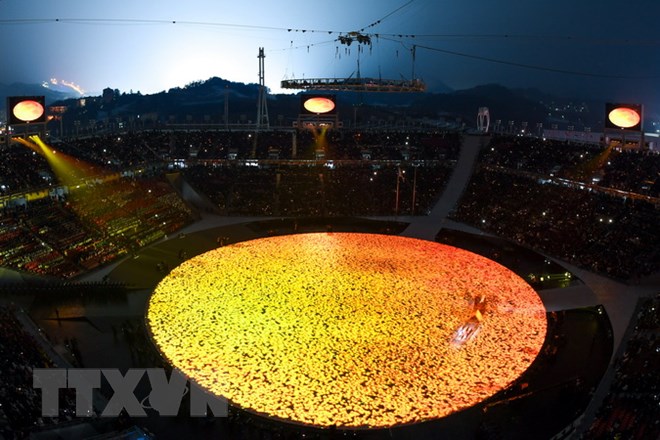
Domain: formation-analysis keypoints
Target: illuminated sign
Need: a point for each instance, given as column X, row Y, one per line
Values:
column 26, row 109
column 623, row 116
column 318, row 104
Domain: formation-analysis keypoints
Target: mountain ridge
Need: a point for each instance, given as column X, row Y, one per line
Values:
column 204, row 101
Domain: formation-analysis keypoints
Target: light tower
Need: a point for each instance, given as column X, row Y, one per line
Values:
column 262, row 106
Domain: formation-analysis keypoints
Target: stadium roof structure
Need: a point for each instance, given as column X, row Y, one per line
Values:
column 355, row 84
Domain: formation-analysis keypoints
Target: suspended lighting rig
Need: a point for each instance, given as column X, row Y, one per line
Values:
column 357, row 84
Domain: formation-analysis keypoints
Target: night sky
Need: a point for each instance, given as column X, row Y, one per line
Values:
column 606, row 49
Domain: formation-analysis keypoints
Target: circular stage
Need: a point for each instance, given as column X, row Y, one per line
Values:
column 347, row 329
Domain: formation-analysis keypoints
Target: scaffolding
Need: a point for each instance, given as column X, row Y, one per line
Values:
column 355, row 84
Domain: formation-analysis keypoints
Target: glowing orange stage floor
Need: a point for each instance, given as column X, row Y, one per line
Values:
column 347, row 329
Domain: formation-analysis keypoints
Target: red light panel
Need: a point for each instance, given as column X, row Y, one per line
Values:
column 318, row 104
column 623, row 117
column 26, row 109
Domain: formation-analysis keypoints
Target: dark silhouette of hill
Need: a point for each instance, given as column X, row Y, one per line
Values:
column 503, row 104
column 203, row 102
column 22, row 89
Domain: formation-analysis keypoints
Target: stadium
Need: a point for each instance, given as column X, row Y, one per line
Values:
column 390, row 283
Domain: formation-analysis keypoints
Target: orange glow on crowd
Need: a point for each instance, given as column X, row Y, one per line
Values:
column 347, row 329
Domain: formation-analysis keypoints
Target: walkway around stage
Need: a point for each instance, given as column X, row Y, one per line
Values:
column 427, row 227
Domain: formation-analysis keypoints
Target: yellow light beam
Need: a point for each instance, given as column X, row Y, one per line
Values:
column 69, row 170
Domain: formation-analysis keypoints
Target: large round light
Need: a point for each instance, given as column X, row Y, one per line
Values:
column 352, row 330
column 319, row 104
column 624, row 117
column 28, row 111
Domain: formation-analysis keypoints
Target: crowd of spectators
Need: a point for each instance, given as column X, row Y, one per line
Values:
column 316, row 190
column 34, row 238
column 609, row 167
column 600, row 232
column 536, row 155
column 23, row 170
column 115, row 152
column 20, row 402
column 71, row 233
column 360, row 173
column 590, row 205
column 64, row 231
column 134, row 148
column 631, row 408
column 636, row 171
